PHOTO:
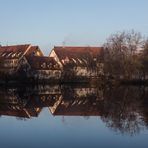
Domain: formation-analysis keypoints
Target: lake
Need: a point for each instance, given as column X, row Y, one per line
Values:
column 71, row 116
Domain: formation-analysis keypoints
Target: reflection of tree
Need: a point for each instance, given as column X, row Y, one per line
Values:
column 130, row 125
column 67, row 92
column 21, row 119
column 122, row 110
column 68, row 72
column 86, row 117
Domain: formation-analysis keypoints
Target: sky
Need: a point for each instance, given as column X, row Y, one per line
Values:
column 49, row 23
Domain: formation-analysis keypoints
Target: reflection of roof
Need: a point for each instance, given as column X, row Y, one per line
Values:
column 15, row 113
column 71, row 109
column 43, row 63
column 24, row 112
column 40, row 101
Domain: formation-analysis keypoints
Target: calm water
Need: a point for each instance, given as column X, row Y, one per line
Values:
column 73, row 116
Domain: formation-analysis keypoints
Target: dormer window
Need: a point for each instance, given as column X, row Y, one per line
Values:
column 80, row 61
column 85, row 61
column 13, row 55
column 50, row 65
column 55, row 66
column 74, row 60
column 43, row 65
column 9, row 54
column 95, row 59
column 1, row 53
column 63, row 61
column 19, row 54
column 66, row 60
column 4, row 54
column 37, row 53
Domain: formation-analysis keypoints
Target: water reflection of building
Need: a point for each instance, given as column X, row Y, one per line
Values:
column 12, row 104
column 121, row 108
column 27, row 102
column 78, row 101
column 62, row 100
column 44, row 95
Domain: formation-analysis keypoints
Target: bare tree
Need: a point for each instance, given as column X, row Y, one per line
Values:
column 144, row 60
column 120, row 57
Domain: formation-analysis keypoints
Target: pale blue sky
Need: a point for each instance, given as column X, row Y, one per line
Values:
column 77, row 22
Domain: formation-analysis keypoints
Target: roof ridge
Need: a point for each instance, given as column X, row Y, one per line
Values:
column 78, row 46
column 15, row 45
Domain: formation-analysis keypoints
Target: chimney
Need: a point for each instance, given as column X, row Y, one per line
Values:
column 63, row 44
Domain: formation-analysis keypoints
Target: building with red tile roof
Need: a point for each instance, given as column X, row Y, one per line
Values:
column 83, row 61
column 12, row 57
column 42, row 67
column 80, row 54
column 18, row 51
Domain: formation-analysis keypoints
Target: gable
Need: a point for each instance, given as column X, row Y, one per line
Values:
column 34, row 51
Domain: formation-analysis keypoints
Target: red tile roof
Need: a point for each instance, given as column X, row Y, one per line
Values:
column 16, row 51
column 43, row 63
column 79, row 55
column 14, row 48
column 77, row 52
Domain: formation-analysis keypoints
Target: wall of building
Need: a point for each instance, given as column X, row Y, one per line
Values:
column 46, row 74
column 53, row 54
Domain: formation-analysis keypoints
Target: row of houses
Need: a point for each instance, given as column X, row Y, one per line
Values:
column 27, row 61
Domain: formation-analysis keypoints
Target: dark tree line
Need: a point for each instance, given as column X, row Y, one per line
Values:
column 126, row 56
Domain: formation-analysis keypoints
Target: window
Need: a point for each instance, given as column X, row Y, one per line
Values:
column 9, row 54
column 56, row 73
column 43, row 65
column 80, row 61
column 13, row 55
column 19, row 54
column 95, row 59
column 3, row 54
column 38, row 53
column 74, row 60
